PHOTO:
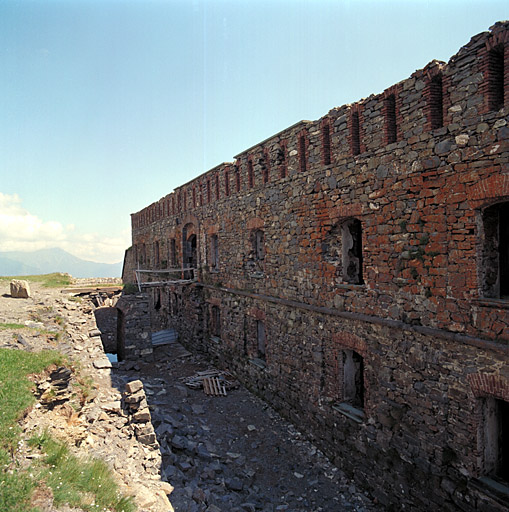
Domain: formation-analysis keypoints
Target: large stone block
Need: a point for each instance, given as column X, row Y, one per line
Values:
column 20, row 289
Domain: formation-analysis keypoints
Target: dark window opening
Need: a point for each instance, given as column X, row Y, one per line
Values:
column 496, row 77
column 214, row 252
column 173, row 253
column 281, row 161
column 215, row 322
column 174, row 304
column 250, row 173
column 494, row 270
column 302, row 153
column 259, row 244
column 496, row 440
column 156, row 253
column 353, row 378
column 391, row 128
column 436, row 102
column 326, row 148
column 261, row 339
column 209, row 197
column 217, row 186
column 351, row 253
column 157, row 300
column 194, row 197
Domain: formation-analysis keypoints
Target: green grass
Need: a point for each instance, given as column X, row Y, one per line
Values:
column 54, row 280
column 79, row 482
column 4, row 325
column 15, row 397
column 84, row 483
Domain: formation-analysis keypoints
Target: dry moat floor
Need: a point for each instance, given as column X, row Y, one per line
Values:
column 220, row 453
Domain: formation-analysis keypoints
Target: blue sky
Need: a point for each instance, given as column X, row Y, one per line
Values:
column 107, row 105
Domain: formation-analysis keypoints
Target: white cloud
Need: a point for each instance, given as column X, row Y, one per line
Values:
column 22, row 231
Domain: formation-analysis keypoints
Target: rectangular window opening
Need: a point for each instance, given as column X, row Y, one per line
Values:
column 496, row 442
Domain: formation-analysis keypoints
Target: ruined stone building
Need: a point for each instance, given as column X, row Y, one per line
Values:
column 354, row 272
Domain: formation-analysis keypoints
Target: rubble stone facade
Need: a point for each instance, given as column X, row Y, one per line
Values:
column 354, row 271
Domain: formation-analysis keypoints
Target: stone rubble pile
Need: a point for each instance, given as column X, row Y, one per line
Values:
column 139, row 414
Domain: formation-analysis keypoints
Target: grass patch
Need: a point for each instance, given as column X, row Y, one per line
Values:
column 83, row 483
column 15, row 397
column 12, row 326
column 54, row 280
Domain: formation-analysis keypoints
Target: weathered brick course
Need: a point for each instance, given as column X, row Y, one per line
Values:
column 420, row 333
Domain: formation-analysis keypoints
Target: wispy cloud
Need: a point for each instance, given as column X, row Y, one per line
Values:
column 22, row 231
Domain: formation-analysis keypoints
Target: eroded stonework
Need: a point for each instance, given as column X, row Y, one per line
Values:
column 354, row 271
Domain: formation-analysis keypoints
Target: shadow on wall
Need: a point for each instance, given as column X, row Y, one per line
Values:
column 110, row 321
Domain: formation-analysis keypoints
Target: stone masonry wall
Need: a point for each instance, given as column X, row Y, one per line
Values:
column 361, row 259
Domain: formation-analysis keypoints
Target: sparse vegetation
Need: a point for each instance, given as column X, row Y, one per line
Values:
column 83, row 483
column 11, row 326
column 130, row 288
column 54, row 280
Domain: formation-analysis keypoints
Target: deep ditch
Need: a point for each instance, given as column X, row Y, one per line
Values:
column 220, row 453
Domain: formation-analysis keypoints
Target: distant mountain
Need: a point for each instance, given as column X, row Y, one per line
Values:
column 45, row 261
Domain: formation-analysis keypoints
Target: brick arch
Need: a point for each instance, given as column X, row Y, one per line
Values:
column 189, row 218
column 489, row 385
column 345, row 212
column 489, row 190
column 255, row 223
column 350, row 341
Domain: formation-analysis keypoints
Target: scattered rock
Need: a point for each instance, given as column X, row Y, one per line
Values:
column 20, row 289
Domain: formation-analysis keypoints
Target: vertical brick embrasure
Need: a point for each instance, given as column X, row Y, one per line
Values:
column 237, row 177
column 266, row 166
column 435, row 102
column 227, row 182
column 303, row 151
column 217, row 186
column 354, row 131
column 283, row 163
column 250, row 171
column 390, row 117
column 326, row 142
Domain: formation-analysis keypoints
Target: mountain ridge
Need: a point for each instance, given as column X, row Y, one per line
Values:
column 46, row 261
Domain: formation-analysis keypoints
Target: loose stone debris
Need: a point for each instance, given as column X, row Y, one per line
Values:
column 161, row 436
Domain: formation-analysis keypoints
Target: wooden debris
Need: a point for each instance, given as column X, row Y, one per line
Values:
column 213, row 386
column 214, row 382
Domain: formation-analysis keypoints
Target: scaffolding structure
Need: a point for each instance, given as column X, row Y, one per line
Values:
column 182, row 276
